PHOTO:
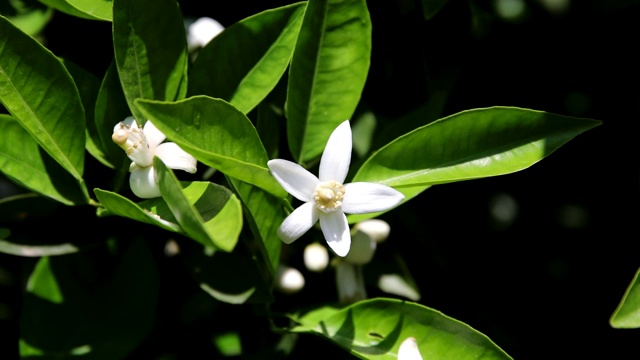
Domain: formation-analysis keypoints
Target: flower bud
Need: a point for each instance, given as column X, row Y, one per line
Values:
column 362, row 249
column 288, row 280
column 377, row 229
column 316, row 257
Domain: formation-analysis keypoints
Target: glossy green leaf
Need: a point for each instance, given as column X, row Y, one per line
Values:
column 217, row 134
column 111, row 107
column 328, row 70
column 151, row 59
column 374, row 329
column 264, row 213
column 23, row 161
column 116, row 204
column 215, row 220
column 86, row 9
column 245, row 62
column 90, row 304
column 627, row 314
column 39, row 92
column 471, row 144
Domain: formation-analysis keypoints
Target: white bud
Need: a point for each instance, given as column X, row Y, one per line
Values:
column 362, row 249
column 377, row 229
column 350, row 283
column 202, row 31
column 289, row 280
column 316, row 257
column 409, row 350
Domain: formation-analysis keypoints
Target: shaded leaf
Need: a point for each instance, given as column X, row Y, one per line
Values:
column 92, row 304
column 245, row 62
column 39, row 92
column 152, row 60
column 328, row 70
column 374, row 329
column 217, row 134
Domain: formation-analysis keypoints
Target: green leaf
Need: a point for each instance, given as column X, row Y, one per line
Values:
column 214, row 220
column 92, row 303
column 30, row 19
column 217, row 134
column 88, row 85
column 111, row 108
column 23, row 161
column 328, row 70
column 39, row 92
column 374, row 329
column 116, row 204
column 150, row 49
column 244, row 63
column 627, row 314
column 86, row 9
column 469, row 145
column 264, row 214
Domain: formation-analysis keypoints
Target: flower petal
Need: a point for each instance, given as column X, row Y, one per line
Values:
column 174, row 157
column 143, row 182
column 334, row 164
column 153, row 134
column 298, row 222
column 295, row 179
column 408, row 350
column 365, row 197
column 335, row 228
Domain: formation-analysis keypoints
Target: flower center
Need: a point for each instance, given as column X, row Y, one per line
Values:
column 328, row 196
column 134, row 142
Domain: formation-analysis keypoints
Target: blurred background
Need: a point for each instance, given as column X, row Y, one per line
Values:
column 536, row 260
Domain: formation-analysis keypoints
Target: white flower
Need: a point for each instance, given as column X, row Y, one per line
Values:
column 141, row 145
column 201, row 31
column 326, row 198
column 409, row 350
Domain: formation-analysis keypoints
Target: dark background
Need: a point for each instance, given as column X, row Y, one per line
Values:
column 542, row 285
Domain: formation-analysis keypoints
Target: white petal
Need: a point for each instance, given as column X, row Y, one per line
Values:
column 295, row 179
column 175, row 158
column 335, row 228
column 143, row 182
column 129, row 120
column 334, row 164
column 153, row 134
column 298, row 222
column 364, row 197
column 409, row 350
column 202, row 31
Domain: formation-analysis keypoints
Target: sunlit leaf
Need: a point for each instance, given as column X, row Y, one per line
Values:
column 374, row 329
column 22, row 160
column 116, row 204
column 328, row 70
column 30, row 19
column 92, row 303
column 217, row 134
column 627, row 314
column 38, row 91
column 244, row 63
column 151, row 58
column 86, row 9
column 471, row 144
column 215, row 220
